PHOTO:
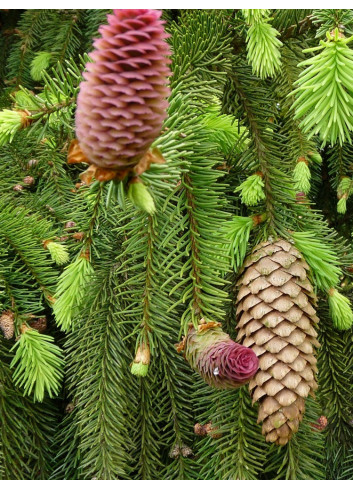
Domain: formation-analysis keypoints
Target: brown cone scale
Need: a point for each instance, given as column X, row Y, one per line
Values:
column 276, row 318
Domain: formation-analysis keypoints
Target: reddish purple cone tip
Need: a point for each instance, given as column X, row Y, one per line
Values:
column 234, row 362
column 221, row 362
column 122, row 103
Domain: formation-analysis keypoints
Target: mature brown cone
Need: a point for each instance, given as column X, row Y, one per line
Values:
column 276, row 319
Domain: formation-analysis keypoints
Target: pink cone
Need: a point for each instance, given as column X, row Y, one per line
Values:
column 221, row 362
column 122, row 103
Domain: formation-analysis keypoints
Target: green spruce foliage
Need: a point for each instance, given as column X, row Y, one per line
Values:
column 255, row 148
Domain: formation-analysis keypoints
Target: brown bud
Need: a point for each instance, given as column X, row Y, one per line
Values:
column 69, row 408
column 213, row 431
column 174, row 452
column 25, row 121
column 17, row 188
column 143, row 354
column 321, row 423
column 24, row 328
column 28, row 180
column 85, row 254
column 206, row 429
column 32, row 163
column 258, row 219
column 186, row 451
column 183, row 450
column 40, row 324
column 79, row 236
column 70, row 224
column 200, row 429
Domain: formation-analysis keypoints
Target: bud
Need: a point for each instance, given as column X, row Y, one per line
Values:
column 251, row 190
column 344, row 187
column 70, row 224
column 140, row 365
column 32, row 163
column 207, row 429
column 186, row 451
column 69, row 407
column 340, row 310
column 57, row 251
column 140, row 196
column 40, row 324
column 182, row 450
column 315, row 157
column 321, row 423
column 17, row 188
column 342, row 205
column 28, row 180
column 301, row 176
column 79, row 236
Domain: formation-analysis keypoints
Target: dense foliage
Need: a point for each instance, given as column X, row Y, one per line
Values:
column 94, row 290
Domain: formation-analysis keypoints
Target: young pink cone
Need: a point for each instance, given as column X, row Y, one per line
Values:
column 220, row 361
column 122, row 102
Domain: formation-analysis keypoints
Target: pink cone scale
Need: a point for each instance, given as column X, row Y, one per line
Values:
column 122, row 101
column 220, row 361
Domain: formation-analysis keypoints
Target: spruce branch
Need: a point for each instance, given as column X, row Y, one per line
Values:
column 35, row 426
column 57, row 251
column 344, row 190
column 324, row 97
column 255, row 111
column 70, row 291
column 38, row 364
column 263, row 45
column 11, row 121
column 39, row 63
column 340, row 310
column 96, row 439
column 251, row 190
column 255, row 16
column 301, row 176
column 322, row 259
column 335, row 392
column 237, row 231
